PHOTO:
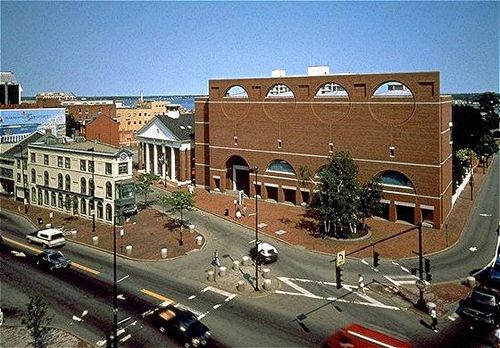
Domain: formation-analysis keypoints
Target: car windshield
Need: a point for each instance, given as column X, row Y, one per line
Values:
column 57, row 256
column 57, row 235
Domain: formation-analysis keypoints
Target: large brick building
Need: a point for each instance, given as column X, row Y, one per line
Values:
column 397, row 125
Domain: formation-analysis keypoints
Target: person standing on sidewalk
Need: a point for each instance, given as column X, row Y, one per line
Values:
column 434, row 319
column 238, row 214
column 245, row 210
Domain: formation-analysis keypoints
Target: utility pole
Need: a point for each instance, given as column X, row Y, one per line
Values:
column 257, row 259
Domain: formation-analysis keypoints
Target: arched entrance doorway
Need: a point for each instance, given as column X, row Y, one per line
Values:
column 237, row 174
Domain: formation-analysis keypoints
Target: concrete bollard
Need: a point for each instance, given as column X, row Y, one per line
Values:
column 95, row 240
column 164, row 253
column 73, row 234
column 241, row 285
column 222, row 271
column 236, row 265
column 199, row 240
column 471, row 282
column 266, row 273
column 267, row 284
column 191, row 228
column 128, row 249
column 431, row 305
column 245, row 260
column 210, row 276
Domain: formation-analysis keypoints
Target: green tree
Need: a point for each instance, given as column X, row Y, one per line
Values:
column 371, row 195
column 71, row 125
column 37, row 321
column 488, row 104
column 143, row 185
column 179, row 201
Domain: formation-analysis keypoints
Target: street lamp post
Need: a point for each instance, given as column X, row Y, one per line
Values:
column 121, row 240
column 115, row 300
column 255, row 170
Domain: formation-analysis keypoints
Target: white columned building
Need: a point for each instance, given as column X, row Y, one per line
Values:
column 167, row 148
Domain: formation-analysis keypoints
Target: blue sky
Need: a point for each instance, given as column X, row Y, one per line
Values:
column 162, row 48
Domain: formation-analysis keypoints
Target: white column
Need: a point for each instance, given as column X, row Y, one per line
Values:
column 172, row 164
column 155, row 159
column 148, row 163
column 164, row 165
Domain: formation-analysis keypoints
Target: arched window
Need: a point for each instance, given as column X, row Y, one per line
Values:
column 83, row 186
column 392, row 178
column 392, row 89
column 60, row 200
column 46, row 178
column 68, row 182
column 99, row 210
column 33, row 194
column 60, row 181
column 109, row 212
column 281, row 167
column 280, row 91
column 46, row 197
column 67, row 202
column 40, row 197
column 331, row 90
column 91, row 187
column 236, row 92
column 83, row 206
column 33, row 176
column 109, row 190
column 53, row 199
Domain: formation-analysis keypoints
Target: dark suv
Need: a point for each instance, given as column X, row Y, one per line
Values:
column 183, row 325
column 53, row 259
column 482, row 305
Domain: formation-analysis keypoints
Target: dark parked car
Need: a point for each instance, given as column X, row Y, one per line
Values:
column 182, row 325
column 482, row 305
column 53, row 259
column 264, row 253
column 494, row 276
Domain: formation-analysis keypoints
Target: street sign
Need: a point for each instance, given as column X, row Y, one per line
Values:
column 340, row 258
column 216, row 261
column 420, row 284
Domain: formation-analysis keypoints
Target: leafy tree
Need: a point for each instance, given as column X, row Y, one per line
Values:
column 178, row 201
column 371, row 194
column 143, row 185
column 37, row 321
column 71, row 125
column 488, row 104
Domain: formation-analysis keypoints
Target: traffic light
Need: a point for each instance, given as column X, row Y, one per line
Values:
column 414, row 271
column 338, row 279
column 428, row 277
column 427, row 265
column 376, row 259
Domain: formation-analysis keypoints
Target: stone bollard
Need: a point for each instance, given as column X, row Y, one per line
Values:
column 191, row 228
column 222, row 271
column 431, row 305
column 48, row 225
column 210, row 276
column 267, row 284
column 73, row 234
column 471, row 282
column 128, row 249
column 199, row 240
column 236, row 265
column 241, row 285
column 164, row 253
column 266, row 273
column 95, row 240
column 245, row 260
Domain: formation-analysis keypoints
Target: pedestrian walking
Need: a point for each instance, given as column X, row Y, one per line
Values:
column 361, row 284
column 245, row 210
column 238, row 214
column 434, row 319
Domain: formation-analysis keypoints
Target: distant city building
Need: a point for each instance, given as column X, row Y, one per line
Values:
column 82, row 110
column 78, row 176
column 395, row 125
column 53, row 99
column 166, row 147
column 103, row 129
column 10, row 89
column 17, row 124
column 133, row 119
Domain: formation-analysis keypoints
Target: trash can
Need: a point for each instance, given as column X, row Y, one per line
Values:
column 199, row 240
column 95, row 240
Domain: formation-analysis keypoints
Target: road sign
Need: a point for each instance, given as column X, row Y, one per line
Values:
column 340, row 258
column 420, row 284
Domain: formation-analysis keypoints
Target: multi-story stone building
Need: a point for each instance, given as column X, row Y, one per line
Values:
column 131, row 120
column 396, row 125
column 79, row 177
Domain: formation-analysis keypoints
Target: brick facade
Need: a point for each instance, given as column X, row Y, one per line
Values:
column 234, row 133
column 103, row 129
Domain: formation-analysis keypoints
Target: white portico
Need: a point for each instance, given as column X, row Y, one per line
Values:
column 166, row 147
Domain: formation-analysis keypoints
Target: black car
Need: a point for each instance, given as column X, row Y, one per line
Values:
column 183, row 325
column 494, row 276
column 482, row 306
column 53, row 259
column 264, row 253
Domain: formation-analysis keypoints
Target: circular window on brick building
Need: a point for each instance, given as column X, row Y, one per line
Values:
column 331, row 102
column 279, row 104
column 392, row 103
column 235, row 103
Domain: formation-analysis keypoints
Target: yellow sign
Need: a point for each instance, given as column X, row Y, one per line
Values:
column 340, row 258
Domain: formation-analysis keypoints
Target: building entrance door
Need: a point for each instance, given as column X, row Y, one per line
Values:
column 240, row 178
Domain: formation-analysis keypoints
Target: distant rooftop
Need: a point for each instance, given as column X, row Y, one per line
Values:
column 8, row 77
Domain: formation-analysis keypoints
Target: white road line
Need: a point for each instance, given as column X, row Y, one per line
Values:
column 392, row 281
column 230, row 298
column 302, row 291
column 216, row 306
column 201, row 316
column 191, row 297
column 364, row 261
column 405, row 269
column 453, row 317
column 218, row 291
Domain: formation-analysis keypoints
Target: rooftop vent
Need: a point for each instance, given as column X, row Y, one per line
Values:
column 278, row 73
column 318, row 70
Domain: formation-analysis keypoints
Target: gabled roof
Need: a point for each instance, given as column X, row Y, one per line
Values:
column 182, row 127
